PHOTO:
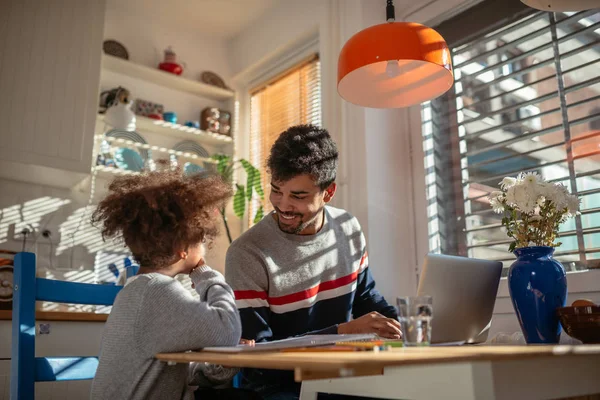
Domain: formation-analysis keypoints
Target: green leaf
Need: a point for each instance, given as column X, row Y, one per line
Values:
column 260, row 213
column 512, row 247
column 258, row 185
column 222, row 166
column 249, row 183
column 239, row 201
column 228, row 173
column 254, row 181
column 246, row 164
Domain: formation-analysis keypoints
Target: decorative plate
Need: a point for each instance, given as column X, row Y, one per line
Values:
column 189, row 146
column 211, row 78
column 114, row 48
column 129, row 159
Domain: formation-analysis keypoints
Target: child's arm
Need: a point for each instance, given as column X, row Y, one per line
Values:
column 173, row 320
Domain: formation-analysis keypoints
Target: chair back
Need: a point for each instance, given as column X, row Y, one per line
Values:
column 26, row 368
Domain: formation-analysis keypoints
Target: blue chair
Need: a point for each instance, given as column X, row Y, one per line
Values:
column 131, row 270
column 26, row 368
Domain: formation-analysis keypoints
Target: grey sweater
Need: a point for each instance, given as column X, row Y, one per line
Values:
column 153, row 314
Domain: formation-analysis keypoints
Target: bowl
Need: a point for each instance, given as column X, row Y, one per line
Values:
column 170, row 117
column 581, row 322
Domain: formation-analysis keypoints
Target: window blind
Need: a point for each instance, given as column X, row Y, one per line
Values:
column 289, row 99
column 526, row 98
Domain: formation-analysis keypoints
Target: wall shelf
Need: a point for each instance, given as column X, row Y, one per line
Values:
column 168, row 129
column 120, row 142
column 154, row 75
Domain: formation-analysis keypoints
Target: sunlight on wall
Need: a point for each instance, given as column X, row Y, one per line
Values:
column 29, row 213
column 77, row 230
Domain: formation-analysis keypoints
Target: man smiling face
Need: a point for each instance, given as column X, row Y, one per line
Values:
column 299, row 204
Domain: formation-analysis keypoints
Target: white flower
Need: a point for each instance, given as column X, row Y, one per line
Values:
column 530, row 178
column 495, row 198
column 508, row 182
column 495, row 195
column 497, row 205
column 535, row 218
column 573, row 203
column 522, row 197
column 560, row 196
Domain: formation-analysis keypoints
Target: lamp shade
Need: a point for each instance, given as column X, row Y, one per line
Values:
column 562, row 5
column 394, row 65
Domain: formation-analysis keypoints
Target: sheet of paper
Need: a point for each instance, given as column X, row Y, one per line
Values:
column 294, row 342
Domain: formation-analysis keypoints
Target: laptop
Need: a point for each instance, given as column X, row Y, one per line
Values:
column 464, row 293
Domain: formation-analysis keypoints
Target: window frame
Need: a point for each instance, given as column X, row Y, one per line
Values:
column 457, row 31
column 265, row 70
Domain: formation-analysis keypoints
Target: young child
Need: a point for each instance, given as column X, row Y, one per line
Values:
column 164, row 219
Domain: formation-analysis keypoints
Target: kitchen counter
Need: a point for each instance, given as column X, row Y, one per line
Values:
column 60, row 316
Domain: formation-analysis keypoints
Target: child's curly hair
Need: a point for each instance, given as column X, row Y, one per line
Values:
column 160, row 213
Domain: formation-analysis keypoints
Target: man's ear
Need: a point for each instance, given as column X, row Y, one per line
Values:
column 329, row 192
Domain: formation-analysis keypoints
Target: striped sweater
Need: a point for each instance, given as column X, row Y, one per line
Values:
column 288, row 285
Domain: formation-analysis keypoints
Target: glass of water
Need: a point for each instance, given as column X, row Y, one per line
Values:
column 415, row 314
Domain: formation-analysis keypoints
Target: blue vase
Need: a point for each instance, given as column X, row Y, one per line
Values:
column 538, row 286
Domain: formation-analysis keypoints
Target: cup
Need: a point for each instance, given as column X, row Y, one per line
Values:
column 415, row 314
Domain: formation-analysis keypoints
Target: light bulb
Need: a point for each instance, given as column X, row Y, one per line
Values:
column 392, row 69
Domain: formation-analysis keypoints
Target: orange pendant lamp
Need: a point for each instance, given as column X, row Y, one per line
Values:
column 393, row 65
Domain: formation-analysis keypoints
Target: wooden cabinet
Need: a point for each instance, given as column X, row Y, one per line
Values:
column 50, row 60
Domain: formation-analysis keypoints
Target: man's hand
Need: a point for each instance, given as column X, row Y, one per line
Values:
column 373, row 323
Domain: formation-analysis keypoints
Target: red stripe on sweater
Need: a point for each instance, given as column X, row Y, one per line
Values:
column 362, row 260
column 307, row 294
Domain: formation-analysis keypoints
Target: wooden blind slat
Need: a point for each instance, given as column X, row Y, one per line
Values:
column 292, row 98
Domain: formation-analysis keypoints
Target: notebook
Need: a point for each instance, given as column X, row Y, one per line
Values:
column 294, row 342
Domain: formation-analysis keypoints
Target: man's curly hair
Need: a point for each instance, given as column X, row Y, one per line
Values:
column 158, row 214
column 304, row 149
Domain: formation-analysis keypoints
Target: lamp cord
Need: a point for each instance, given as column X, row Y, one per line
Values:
column 390, row 15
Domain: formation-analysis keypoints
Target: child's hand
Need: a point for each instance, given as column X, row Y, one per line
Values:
column 201, row 263
column 248, row 342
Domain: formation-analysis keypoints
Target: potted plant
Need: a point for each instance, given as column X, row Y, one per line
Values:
column 226, row 166
column 533, row 210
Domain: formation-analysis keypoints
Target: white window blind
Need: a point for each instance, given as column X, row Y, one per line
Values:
column 292, row 98
column 526, row 98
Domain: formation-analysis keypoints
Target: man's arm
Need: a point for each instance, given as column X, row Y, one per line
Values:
column 371, row 312
column 368, row 299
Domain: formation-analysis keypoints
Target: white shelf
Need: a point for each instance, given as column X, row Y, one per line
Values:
column 144, row 124
column 166, row 79
column 168, row 129
column 120, row 142
column 110, row 172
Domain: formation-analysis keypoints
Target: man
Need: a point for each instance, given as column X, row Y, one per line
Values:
column 304, row 268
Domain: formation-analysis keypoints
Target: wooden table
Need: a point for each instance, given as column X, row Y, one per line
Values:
column 462, row 372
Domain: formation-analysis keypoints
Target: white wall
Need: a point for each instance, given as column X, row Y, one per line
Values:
column 145, row 40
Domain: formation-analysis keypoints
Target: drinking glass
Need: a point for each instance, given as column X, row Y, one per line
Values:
column 415, row 314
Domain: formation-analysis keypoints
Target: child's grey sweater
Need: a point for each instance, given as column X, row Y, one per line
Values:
column 154, row 313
